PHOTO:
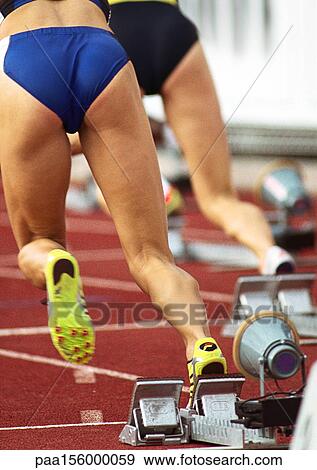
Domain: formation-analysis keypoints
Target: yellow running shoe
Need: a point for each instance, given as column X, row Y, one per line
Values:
column 173, row 199
column 207, row 360
column 70, row 326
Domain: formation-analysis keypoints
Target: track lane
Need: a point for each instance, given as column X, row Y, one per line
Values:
column 147, row 352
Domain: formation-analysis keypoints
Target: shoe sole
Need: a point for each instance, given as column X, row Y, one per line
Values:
column 70, row 326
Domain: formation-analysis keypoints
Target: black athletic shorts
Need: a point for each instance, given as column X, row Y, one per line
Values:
column 156, row 37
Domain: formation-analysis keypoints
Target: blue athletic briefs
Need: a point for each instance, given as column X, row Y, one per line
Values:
column 66, row 68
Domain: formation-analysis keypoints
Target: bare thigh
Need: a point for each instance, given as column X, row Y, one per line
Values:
column 35, row 165
column 117, row 142
column 193, row 111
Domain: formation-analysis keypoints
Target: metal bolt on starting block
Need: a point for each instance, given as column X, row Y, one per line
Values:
column 154, row 416
column 290, row 294
column 214, row 409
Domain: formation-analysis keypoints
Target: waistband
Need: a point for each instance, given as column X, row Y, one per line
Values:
column 60, row 30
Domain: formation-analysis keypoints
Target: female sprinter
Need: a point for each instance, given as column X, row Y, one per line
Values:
column 63, row 71
column 164, row 48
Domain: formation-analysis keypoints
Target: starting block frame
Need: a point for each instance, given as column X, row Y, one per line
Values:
column 154, row 417
column 290, row 294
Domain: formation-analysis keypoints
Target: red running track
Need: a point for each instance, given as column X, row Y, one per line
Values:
column 45, row 404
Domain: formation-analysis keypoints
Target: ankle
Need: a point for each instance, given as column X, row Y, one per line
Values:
column 190, row 345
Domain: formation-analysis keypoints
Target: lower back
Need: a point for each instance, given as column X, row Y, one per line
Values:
column 56, row 13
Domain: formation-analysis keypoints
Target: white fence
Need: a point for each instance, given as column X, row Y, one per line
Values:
column 266, row 49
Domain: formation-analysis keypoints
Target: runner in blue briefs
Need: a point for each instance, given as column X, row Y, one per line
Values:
column 62, row 70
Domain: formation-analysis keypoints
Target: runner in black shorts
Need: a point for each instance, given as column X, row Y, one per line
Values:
column 164, row 47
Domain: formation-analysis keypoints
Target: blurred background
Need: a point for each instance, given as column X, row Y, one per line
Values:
column 240, row 37
column 263, row 57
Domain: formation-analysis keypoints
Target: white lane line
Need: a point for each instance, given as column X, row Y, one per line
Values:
column 59, row 363
column 44, row 330
column 77, row 225
column 91, row 416
column 32, row 330
column 217, row 296
column 130, row 286
column 68, row 425
column 308, row 342
column 11, row 273
column 10, row 259
column 107, row 254
column 117, row 284
column 99, row 226
column 102, row 227
column 106, row 227
column 84, row 377
column 192, row 233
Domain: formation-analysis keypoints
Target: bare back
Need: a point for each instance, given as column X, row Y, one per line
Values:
column 57, row 13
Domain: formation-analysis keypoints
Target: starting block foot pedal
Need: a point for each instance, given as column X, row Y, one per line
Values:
column 294, row 294
column 154, row 417
column 290, row 294
column 213, row 409
column 213, row 418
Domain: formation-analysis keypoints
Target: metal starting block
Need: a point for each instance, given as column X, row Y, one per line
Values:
column 213, row 411
column 223, row 254
column 290, row 294
column 154, row 417
column 218, row 416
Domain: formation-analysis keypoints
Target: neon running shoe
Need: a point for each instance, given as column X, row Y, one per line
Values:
column 173, row 199
column 207, row 360
column 70, row 326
